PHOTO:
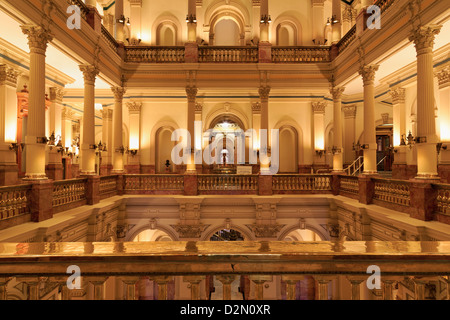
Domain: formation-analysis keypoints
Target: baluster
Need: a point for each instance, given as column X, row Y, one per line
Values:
column 259, row 281
column 162, row 282
column 99, row 286
column 194, row 282
column 130, row 283
column 356, row 286
column 3, row 291
column 227, row 280
column 291, row 282
column 323, row 286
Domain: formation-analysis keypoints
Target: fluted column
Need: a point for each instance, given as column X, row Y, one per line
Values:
column 264, row 27
column 323, row 282
column 370, row 152
column 87, row 145
column 444, row 112
column 130, row 282
column 264, row 92
column 423, row 38
column 399, row 117
column 107, row 115
column 134, row 112
column 118, row 147
column 259, row 281
column 135, row 17
column 99, row 286
column 227, row 280
column 318, row 108
column 192, row 26
column 38, row 39
column 8, row 124
column 349, row 132
column 194, row 282
column 336, row 93
column 54, row 167
column 191, row 93
column 355, row 281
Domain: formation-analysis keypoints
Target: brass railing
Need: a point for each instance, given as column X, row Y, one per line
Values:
column 216, row 182
column 228, row 54
column 392, row 191
column 155, row 54
column 300, row 54
column 347, row 39
column 108, row 186
column 419, row 263
column 14, row 201
column 300, row 182
column 67, row 192
column 349, row 184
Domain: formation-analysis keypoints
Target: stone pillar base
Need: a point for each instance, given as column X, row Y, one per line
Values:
column 422, row 196
column 41, row 200
column 265, row 185
column 92, row 189
column 9, row 174
column 54, row 171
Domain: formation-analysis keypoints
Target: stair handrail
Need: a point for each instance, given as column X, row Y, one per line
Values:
column 355, row 166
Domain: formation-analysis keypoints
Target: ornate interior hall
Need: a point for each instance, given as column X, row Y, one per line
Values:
column 224, row 149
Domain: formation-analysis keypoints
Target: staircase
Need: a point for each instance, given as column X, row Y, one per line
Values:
column 357, row 166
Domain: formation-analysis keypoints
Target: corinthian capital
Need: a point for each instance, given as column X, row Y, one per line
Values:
column 264, row 93
column 38, row 37
column 398, row 95
column 443, row 77
column 90, row 72
column 134, row 107
column 349, row 111
column 8, row 75
column 191, row 93
column 318, row 106
column 336, row 92
column 423, row 37
column 118, row 93
column 368, row 73
column 56, row 94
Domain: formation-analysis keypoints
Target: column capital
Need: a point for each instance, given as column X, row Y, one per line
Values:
column 67, row 114
column 318, row 106
column 90, row 72
column 443, row 77
column 336, row 92
column 38, row 37
column 191, row 93
column 57, row 94
column 198, row 108
column 368, row 73
column 136, row 3
column 107, row 114
column 256, row 107
column 264, row 92
column 134, row 107
column 423, row 37
column 8, row 75
column 118, row 93
column 397, row 95
column 349, row 111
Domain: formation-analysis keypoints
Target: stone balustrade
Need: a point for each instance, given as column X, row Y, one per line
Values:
column 142, row 183
column 68, row 194
column 214, row 182
column 108, row 186
column 300, row 54
column 347, row 39
column 418, row 262
column 157, row 54
column 349, row 184
column 392, row 191
column 228, row 54
column 303, row 183
column 14, row 201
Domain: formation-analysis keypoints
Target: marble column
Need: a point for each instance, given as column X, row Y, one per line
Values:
column 264, row 92
column 370, row 151
column 319, row 157
column 444, row 119
column 318, row 18
column 87, row 144
column 264, row 46
column 336, row 93
column 399, row 117
column 254, row 143
column 134, row 111
column 135, row 20
column 35, row 141
column 336, row 26
column 423, row 38
column 349, row 133
column 106, row 166
column 117, row 156
column 191, row 93
column 8, row 125
column 192, row 25
column 54, row 168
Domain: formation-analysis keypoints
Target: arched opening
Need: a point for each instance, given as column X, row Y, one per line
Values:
column 164, row 146
column 286, row 35
column 227, row 33
column 152, row 235
column 227, row 235
column 288, row 150
column 166, row 34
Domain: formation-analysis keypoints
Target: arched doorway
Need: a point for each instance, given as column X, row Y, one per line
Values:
column 227, row 33
column 288, row 150
column 164, row 146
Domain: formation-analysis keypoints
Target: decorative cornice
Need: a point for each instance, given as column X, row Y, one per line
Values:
column 397, row 95
column 443, row 77
column 190, row 231
column 8, row 75
column 191, row 93
column 318, row 106
column 368, row 73
column 265, row 230
column 57, row 94
column 134, row 107
column 349, row 111
column 38, row 37
column 423, row 37
column 90, row 72
column 336, row 92
column 118, row 93
column 264, row 93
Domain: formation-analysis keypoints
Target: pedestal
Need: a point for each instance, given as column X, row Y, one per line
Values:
column 265, row 185
column 92, row 189
column 265, row 52
column 41, row 200
column 191, row 52
column 190, row 184
column 422, row 196
column 366, row 189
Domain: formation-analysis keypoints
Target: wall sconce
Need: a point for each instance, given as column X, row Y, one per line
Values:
column 14, row 146
column 320, row 153
column 101, row 147
column 335, row 150
column 121, row 19
column 328, row 21
column 334, row 20
column 411, row 139
column 266, row 19
column 42, row 140
column 121, row 149
column 440, row 146
column 128, row 22
column 191, row 18
column 133, row 152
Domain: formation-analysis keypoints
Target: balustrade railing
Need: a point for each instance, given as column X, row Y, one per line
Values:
column 108, row 186
column 68, row 192
column 349, row 184
column 228, row 54
column 84, row 10
column 442, row 199
column 143, row 54
column 299, row 182
column 109, row 38
column 156, row 182
column 418, row 264
column 347, row 39
column 227, row 183
column 300, row 54
column 392, row 191
column 14, row 201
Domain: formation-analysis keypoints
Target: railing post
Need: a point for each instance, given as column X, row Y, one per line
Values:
column 194, row 282
column 191, row 52
column 366, row 189
column 335, row 183
column 41, row 199
column 227, row 280
column 323, row 286
column 265, row 185
column 265, row 52
column 94, row 19
column 259, row 282
column 422, row 200
column 190, row 184
column 356, row 286
column 99, row 287
column 130, row 283
column 120, row 185
column 92, row 189
column 291, row 283
column 162, row 282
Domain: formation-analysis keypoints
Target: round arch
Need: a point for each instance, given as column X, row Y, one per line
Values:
column 231, row 111
column 169, row 20
column 248, row 236
column 292, row 25
column 288, row 230
column 170, row 232
column 153, row 135
column 294, row 125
